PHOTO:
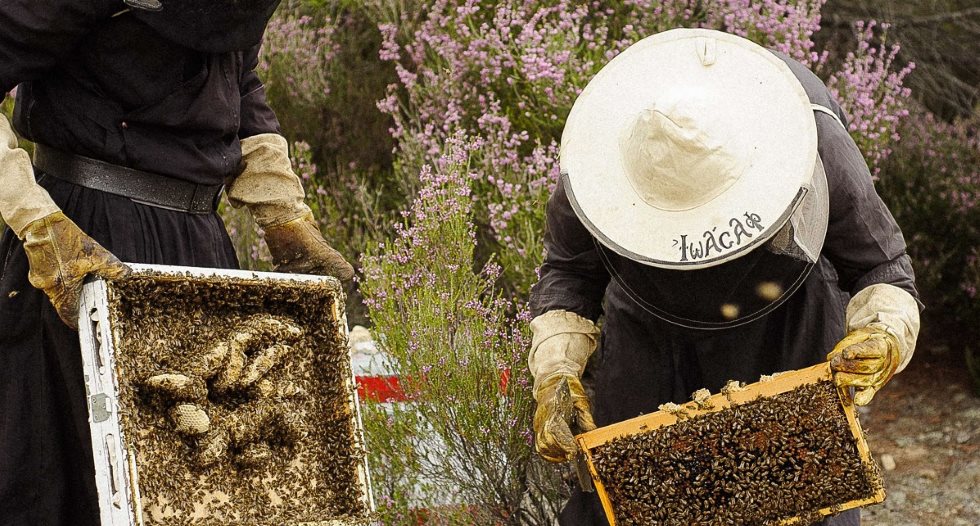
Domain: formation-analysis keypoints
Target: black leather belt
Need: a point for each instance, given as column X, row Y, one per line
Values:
column 142, row 187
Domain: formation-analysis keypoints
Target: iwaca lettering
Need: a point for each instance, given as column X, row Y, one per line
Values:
column 714, row 242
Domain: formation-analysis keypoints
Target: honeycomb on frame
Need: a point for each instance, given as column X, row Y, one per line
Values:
column 785, row 450
column 222, row 397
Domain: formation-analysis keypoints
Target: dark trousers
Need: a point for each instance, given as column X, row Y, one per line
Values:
column 46, row 467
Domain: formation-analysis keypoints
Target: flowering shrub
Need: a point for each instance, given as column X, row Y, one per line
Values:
column 296, row 56
column 460, row 353
column 784, row 25
column 508, row 72
column 932, row 185
column 872, row 94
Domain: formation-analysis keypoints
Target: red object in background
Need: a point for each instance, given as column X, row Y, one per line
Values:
column 504, row 380
column 384, row 388
column 388, row 388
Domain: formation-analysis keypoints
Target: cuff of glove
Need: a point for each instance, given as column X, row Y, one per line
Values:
column 562, row 344
column 267, row 184
column 22, row 200
column 556, row 322
column 888, row 308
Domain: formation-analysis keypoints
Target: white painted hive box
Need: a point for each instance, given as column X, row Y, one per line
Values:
column 277, row 438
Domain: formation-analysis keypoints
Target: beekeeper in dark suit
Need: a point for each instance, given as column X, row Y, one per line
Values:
column 141, row 110
column 714, row 208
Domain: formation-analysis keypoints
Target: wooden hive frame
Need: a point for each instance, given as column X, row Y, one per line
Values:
column 781, row 383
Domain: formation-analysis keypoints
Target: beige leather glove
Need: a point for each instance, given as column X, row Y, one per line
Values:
column 562, row 406
column 60, row 256
column 59, row 253
column 298, row 246
column 273, row 195
column 883, row 324
column 560, row 348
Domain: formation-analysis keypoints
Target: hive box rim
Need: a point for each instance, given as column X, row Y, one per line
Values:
column 206, row 272
column 115, row 466
column 780, row 383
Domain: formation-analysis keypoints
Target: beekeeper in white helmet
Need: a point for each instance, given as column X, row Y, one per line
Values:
column 713, row 208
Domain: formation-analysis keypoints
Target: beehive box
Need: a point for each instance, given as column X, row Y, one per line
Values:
column 787, row 450
column 281, row 441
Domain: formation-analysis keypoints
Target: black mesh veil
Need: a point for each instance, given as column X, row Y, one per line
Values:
column 737, row 291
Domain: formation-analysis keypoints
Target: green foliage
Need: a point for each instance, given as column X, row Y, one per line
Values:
column 461, row 446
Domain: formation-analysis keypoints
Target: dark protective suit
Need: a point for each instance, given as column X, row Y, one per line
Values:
column 132, row 89
column 643, row 361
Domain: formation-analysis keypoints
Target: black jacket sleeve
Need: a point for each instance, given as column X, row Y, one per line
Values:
column 37, row 34
column 257, row 117
column 864, row 242
column 573, row 277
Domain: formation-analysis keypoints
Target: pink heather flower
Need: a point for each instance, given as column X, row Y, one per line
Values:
column 301, row 51
column 389, row 45
column 872, row 93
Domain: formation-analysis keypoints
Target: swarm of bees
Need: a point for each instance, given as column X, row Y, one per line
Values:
column 760, row 462
column 235, row 399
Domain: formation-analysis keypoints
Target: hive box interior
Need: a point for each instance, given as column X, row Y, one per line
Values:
column 285, row 449
column 782, row 451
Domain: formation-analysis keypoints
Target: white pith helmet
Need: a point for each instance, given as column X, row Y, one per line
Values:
column 692, row 148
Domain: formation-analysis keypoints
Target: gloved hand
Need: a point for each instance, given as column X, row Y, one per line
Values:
column 562, row 407
column 882, row 321
column 60, row 256
column 560, row 348
column 274, row 195
column 59, row 253
column 865, row 359
column 297, row 246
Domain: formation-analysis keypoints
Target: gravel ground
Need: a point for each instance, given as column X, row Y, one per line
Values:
column 924, row 429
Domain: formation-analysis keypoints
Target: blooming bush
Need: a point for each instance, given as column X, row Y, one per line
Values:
column 931, row 183
column 460, row 352
column 296, row 57
column 507, row 73
column 872, row 93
